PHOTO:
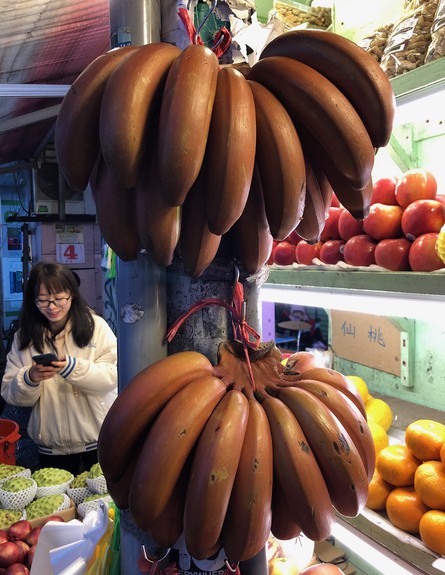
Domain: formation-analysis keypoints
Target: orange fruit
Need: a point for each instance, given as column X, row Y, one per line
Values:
column 442, row 454
column 380, row 412
column 379, row 436
column 429, row 482
column 397, row 465
column 378, row 491
column 361, row 386
column 424, row 438
column 405, row 509
column 432, row 530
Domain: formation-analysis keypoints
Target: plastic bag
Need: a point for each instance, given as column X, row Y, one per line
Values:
column 376, row 42
column 105, row 559
column 436, row 49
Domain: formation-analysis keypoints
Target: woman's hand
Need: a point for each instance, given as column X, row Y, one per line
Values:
column 38, row 372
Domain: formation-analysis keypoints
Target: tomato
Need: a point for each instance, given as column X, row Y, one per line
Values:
column 415, row 184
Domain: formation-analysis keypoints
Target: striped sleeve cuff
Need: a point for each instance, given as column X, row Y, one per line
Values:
column 28, row 380
column 70, row 365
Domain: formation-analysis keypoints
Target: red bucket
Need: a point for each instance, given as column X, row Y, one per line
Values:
column 9, row 435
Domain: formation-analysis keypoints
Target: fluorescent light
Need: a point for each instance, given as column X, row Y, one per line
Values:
column 425, row 307
column 34, row 90
column 365, row 550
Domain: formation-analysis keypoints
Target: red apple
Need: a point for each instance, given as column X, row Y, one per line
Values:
column 23, row 548
column 421, row 217
column 270, row 260
column 335, row 201
column 332, row 252
column 359, row 251
column 330, row 230
column 31, row 553
column 415, row 184
column 19, row 530
column 306, row 252
column 16, row 569
column 33, row 537
column 3, row 535
column 348, row 226
column 384, row 191
column 293, row 238
column 57, row 518
column 284, row 254
column 423, row 256
column 440, row 198
column 383, row 222
column 9, row 553
column 393, row 254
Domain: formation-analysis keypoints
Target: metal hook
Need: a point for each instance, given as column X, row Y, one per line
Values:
column 204, row 20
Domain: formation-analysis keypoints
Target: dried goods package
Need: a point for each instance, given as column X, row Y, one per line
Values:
column 408, row 43
column 436, row 49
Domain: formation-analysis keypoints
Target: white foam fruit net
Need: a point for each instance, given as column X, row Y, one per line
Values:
column 97, row 484
column 18, row 500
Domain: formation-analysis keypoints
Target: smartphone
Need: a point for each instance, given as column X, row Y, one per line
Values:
column 45, row 358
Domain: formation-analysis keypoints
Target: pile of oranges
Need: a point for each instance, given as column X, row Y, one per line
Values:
column 409, row 483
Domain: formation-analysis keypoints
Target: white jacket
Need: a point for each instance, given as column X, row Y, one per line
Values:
column 68, row 409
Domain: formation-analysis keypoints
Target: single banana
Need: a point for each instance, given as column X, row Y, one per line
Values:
column 139, row 402
column 298, row 474
column 119, row 490
column 313, row 102
column 349, row 416
column 212, row 475
column 356, row 201
column 336, row 453
column 130, row 106
column 248, row 519
column 337, row 380
column 115, row 212
column 167, row 447
column 198, row 246
column 186, row 110
column 351, row 68
column 283, row 525
column 252, row 240
column 77, row 127
column 230, row 151
column 167, row 528
column 280, row 161
column 158, row 224
column 314, row 212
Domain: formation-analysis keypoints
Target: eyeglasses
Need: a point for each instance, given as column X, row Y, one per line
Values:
column 58, row 302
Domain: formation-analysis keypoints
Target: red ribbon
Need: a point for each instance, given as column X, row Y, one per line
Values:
column 151, row 566
column 242, row 331
column 222, row 39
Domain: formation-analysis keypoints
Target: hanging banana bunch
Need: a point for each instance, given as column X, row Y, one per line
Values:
column 195, row 148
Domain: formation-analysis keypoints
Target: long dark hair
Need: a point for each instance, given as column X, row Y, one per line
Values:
column 33, row 325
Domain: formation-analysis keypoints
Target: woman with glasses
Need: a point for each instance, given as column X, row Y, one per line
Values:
column 70, row 396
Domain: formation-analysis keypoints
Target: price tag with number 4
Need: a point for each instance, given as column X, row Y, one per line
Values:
column 71, row 253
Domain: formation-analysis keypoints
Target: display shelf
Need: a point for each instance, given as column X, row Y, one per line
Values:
column 412, row 283
column 418, row 83
column 398, row 543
